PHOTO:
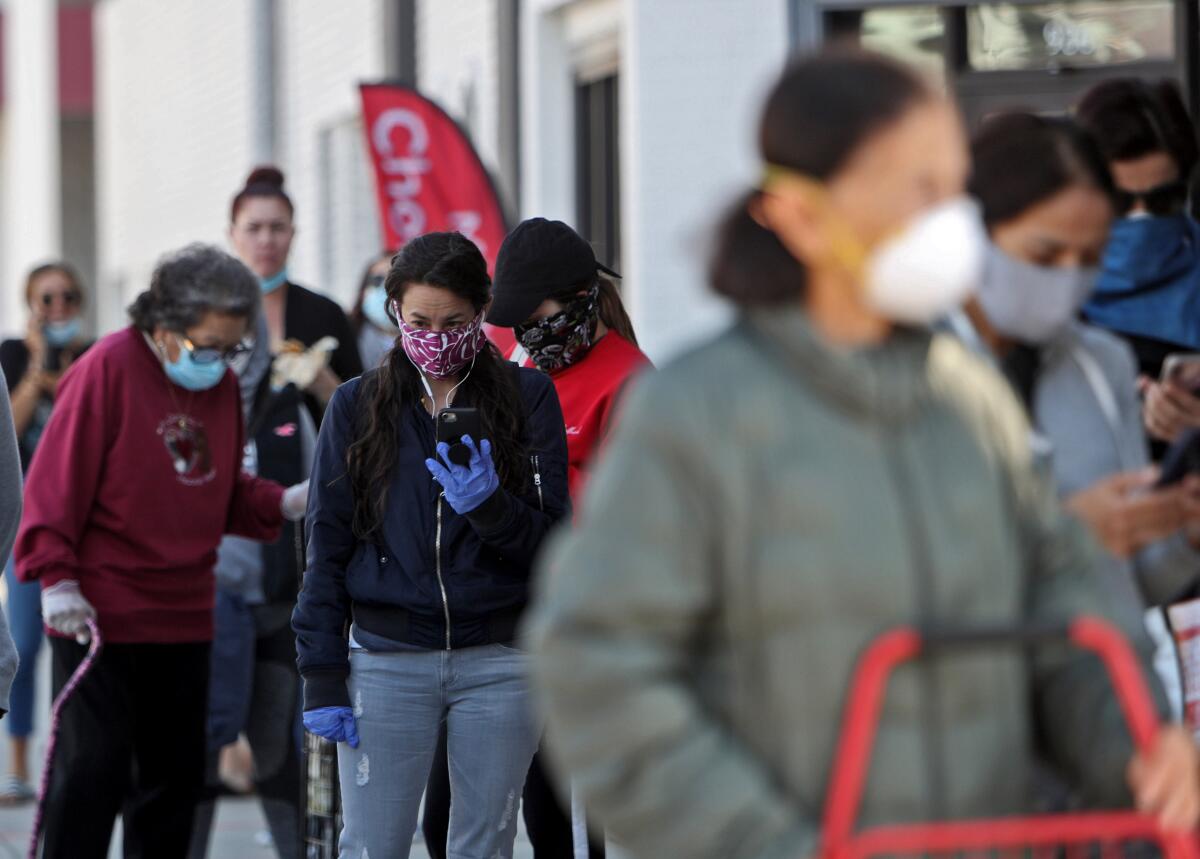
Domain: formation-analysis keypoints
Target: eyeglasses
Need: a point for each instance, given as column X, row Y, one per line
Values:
column 70, row 299
column 210, row 355
column 375, row 280
column 1168, row 199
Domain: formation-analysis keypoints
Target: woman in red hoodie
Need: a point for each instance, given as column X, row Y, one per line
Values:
column 137, row 476
column 569, row 323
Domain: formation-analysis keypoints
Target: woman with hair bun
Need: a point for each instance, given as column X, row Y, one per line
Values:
column 261, row 229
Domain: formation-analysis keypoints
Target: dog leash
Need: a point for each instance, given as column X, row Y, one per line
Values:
column 97, row 644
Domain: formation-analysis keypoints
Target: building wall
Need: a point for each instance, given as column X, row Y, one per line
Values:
column 174, row 146
column 695, row 73
column 458, row 67
column 692, row 77
column 172, row 133
column 322, row 59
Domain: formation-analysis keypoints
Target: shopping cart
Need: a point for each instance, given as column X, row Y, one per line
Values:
column 1086, row 835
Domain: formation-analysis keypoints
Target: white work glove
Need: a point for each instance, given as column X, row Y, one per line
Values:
column 299, row 366
column 66, row 611
column 295, row 502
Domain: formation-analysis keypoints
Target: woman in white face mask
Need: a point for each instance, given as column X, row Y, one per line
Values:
column 1047, row 200
column 824, row 470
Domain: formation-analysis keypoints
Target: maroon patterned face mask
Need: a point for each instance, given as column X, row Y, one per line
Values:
column 441, row 354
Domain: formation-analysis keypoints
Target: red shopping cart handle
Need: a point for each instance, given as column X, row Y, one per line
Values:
column 864, row 705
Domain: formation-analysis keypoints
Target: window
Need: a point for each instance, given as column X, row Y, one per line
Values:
column 598, row 167
column 913, row 34
column 1024, row 54
column 1008, row 36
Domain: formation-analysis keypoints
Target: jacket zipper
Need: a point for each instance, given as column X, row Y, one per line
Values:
column 437, row 563
column 537, row 482
column 919, row 556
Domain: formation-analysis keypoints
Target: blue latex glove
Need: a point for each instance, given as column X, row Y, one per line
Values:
column 332, row 723
column 466, row 486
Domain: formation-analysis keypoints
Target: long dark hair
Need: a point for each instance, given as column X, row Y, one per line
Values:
column 1054, row 153
column 818, row 114
column 452, row 262
column 1131, row 118
column 611, row 307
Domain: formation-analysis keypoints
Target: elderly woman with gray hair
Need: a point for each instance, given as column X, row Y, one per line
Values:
column 137, row 477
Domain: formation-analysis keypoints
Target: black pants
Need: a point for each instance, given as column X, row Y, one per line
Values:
column 131, row 743
column 271, row 728
column 548, row 824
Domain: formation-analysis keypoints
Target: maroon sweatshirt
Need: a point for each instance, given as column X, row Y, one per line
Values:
column 134, row 482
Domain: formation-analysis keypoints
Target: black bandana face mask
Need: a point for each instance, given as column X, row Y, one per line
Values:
column 558, row 341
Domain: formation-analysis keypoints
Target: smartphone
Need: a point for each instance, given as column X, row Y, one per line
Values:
column 53, row 362
column 1183, row 368
column 452, row 425
column 1182, row 459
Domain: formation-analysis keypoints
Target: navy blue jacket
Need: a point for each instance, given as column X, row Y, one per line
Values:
column 390, row 588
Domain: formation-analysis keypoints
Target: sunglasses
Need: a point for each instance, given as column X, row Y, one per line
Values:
column 375, row 280
column 71, row 299
column 1168, row 199
column 210, row 355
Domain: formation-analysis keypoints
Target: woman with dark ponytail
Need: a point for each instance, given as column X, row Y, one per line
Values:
column 429, row 560
column 826, row 469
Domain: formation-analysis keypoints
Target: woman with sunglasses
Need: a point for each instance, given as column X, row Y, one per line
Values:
column 375, row 329
column 33, row 366
column 1048, row 227
column 1149, row 286
column 261, row 229
column 138, row 475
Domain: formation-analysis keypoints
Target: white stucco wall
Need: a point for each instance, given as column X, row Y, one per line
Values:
column 173, row 94
column 176, row 133
column 695, row 75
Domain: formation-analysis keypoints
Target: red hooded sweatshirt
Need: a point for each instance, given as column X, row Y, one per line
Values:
column 134, row 482
column 589, row 391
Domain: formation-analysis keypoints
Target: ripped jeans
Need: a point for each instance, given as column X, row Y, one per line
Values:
column 400, row 701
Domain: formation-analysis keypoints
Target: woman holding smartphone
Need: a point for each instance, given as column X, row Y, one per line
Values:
column 1048, row 228
column 430, row 559
column 824, row 470
column 569, row 322
column 33, row 367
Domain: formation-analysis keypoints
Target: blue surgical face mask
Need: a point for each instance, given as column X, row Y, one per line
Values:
column 190, row 374
column 59, row 334
column 374, row 307
column 272, row 283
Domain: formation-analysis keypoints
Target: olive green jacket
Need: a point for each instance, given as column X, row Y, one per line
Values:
column 767, row 506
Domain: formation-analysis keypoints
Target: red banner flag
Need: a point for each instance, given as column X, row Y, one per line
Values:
column 428, row 177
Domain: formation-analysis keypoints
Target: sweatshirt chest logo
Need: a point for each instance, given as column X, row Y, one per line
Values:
column 186, row 442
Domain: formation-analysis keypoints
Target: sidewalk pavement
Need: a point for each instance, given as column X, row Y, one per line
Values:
column 236, row 830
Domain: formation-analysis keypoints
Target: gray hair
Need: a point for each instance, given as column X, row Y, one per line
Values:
column 192, row 282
